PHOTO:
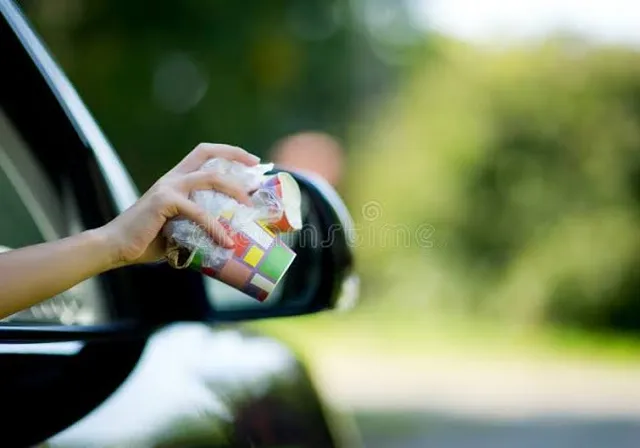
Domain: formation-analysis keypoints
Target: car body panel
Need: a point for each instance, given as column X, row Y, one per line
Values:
column 195, row 385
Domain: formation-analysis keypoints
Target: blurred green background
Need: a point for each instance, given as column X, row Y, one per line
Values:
column 496, row 191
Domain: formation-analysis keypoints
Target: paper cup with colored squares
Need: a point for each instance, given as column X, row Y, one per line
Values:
column 258, row 262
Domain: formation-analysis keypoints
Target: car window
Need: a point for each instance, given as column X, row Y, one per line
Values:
column 17, row 227
column 32, row 212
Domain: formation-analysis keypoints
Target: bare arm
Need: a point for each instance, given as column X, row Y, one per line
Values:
column 35, row 273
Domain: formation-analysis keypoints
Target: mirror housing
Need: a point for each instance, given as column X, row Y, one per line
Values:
column 323, row 275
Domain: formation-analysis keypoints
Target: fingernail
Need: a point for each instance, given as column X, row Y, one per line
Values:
column 254, row 158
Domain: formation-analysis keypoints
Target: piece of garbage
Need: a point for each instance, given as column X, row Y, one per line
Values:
column 283, row 190
column 260, row 258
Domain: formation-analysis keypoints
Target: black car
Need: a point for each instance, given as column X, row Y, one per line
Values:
column 142, row 356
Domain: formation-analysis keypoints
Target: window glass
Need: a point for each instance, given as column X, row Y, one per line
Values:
column 17, row 227
column 32, row 212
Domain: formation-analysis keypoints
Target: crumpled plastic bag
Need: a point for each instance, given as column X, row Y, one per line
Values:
column 191, row 246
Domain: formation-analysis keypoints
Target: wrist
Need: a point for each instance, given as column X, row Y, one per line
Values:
column 105, row 248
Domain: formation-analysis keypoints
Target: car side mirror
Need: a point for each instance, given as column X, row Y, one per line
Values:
column 321, row 277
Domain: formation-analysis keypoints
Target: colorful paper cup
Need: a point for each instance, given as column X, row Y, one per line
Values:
column 284, row 188
column 259, row 261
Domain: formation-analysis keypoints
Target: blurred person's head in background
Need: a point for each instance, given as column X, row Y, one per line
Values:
column 311, row 151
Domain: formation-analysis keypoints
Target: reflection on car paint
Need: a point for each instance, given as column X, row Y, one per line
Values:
column 198, row 386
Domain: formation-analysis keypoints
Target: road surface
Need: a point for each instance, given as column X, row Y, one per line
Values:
column 397, row 430
column 477, row 402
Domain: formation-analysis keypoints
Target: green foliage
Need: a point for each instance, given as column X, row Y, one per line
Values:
column 526, row 163
column 161, row 77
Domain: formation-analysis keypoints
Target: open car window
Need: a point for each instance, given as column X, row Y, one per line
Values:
column 34, row 212
column 17, row 228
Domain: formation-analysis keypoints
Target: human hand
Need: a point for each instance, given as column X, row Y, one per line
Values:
column 135, row 236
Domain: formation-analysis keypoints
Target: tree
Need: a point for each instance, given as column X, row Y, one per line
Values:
column 526, row 163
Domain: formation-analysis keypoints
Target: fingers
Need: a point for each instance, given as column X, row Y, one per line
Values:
column 206, row 151
column 190, row 179
column 204, row 180
column 211, row 225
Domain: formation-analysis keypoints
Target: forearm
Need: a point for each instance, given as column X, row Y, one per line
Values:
column 32, row 274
